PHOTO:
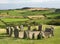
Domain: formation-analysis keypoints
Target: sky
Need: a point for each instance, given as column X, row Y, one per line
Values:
column 12, row 4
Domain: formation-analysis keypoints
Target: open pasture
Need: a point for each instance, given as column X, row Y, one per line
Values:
column 10, row 40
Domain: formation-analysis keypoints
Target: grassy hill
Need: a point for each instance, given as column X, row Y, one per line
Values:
column 25, row 12
column 23, row 16
column 20, row 16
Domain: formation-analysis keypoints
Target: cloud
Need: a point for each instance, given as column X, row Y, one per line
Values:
column 6, row 4
column 4, row 1
column 24, row 1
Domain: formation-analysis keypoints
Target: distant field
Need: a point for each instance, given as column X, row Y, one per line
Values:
column 48, row 15
column 11, row 40
column 24, row 12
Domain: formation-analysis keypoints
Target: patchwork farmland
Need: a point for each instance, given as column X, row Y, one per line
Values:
column 32, row 17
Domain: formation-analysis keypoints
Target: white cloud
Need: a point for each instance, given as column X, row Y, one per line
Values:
column 39, row 0
column 29, row 3
column 20, row 1
column 3, row 1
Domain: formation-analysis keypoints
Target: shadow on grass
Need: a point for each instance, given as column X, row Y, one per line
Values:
column 3, row 35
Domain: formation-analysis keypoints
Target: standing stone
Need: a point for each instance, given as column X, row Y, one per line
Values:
column 33, row 36
column 48, row 32
column 52, row 30
column 7, row 30
column 12, row 28
column 16, row 32
column 39, row 36
column 21, row 27
column 17, row 27
column 25, row 35
column 10, row 31
column 29, row 27
column 40, row 28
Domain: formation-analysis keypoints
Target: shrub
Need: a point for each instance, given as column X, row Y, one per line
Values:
column 57, row 17
column 54, row 22
column 34, row 23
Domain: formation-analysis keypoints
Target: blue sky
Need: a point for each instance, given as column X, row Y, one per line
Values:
column 12, row 4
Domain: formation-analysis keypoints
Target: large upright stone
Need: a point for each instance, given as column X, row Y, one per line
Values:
column 16, row 32
column 33, row 36
column 29, row 27
column 10, row 31
column 7, row 30
column 17, row 27
column 48, row 32
column 40, row 28
column 25, row 35
column 21, row 27
column 52, row 30
column 39, row 36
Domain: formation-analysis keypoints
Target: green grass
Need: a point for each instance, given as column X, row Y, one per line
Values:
column 52, row 40
column 25, row 12
column 9, row 20
column 13, row 19
column 10, row 40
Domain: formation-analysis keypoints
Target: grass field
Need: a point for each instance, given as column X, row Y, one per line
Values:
column 49, row 13
column 11, row 40
column 12, row 21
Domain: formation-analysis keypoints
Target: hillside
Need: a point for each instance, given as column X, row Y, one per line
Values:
column 30, row 16
column 26, row 12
